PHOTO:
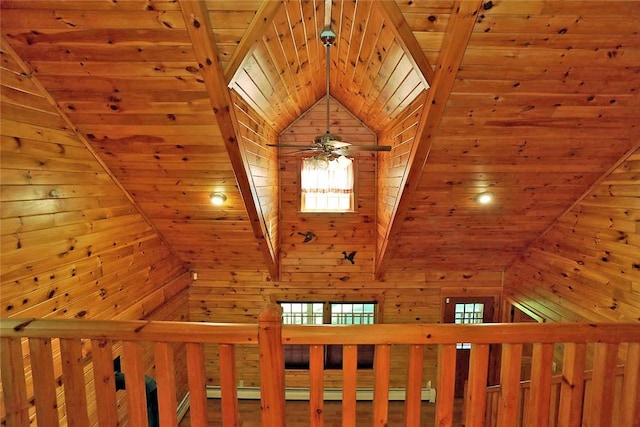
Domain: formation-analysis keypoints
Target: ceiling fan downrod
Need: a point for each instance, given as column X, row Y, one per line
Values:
column 328, row 38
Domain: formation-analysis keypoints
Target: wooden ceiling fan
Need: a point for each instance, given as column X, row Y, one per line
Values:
column 328, row 144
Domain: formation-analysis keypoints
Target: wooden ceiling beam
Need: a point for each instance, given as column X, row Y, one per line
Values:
column 455, row 42
column 199, row 28
column 255, row 32
column 407, row 39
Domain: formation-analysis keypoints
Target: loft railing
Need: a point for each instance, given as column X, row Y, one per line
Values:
column 29, row 389
column 559, row 413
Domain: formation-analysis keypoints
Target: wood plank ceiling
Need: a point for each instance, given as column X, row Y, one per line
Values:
column 532, row 100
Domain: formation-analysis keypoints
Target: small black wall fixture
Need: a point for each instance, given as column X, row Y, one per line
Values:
column 307, row 236
column 350, row 257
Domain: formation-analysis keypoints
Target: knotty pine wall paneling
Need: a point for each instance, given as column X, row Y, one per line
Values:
column 393, row 165
column 586, row 268
column 262, row 162
column 403, row 297
column 317, row 270
column 73, row 245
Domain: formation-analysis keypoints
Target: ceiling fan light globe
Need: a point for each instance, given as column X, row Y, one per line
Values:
column 344, row 161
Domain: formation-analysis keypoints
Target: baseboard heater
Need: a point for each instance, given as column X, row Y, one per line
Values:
column 427, row 394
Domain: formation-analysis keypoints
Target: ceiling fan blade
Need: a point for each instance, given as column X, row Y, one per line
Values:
column 370, row 148
column 344, row 152
column 303, row 151
column 335, row 144
column 306, row 147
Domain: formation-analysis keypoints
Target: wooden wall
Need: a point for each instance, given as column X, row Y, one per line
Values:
column 393, row 168
column 261, row 161
column 586, row 268
column 403, row 298
column 73, row 244
column 317, row 270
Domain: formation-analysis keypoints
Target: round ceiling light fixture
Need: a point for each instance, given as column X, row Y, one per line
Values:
column 217, row 198
column 484, row 198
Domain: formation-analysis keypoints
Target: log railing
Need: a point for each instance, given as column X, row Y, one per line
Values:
column 35, row 337
column 558, row 383
column 20, row 383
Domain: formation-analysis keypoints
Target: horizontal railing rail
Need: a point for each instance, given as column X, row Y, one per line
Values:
column 29, row 390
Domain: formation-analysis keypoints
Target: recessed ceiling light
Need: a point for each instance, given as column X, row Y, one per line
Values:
column 218, row 198
column 484, row 198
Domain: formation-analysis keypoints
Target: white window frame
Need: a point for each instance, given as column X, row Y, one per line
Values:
column 318, row 194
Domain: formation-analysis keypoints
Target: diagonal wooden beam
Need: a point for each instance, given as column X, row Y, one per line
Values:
column 455, row 43
column 199, row 28
column 391, row 11
column 257, row 28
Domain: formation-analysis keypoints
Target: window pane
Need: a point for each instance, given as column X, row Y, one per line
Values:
column 302, row 313
column 296, row 356
column 309, row 313
column 352, row 313
column 327, row 185
column 466, row 314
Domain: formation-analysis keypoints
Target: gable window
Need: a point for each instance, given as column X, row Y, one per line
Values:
column 331, row 313
column 327, row 184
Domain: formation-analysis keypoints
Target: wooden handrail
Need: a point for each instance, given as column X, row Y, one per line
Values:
column 131, row 330
column 487, row 333
column 246, row 333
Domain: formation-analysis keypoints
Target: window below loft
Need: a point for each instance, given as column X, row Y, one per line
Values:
column 468, row 313
column 328, row 313
column 327, row 185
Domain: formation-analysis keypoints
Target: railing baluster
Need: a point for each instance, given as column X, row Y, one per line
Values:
column 135, row 384
column 413, row 398
column 166, row 380
column 572, row 387
column 602, row 391
column 446, row 384
column 44, row 382
column 630, row 405
column 630, row 401
column 381, row 371
column 197, row 386
column 349, row 384
column 229, row 391
column 75, row 396
column 477, row 385
column 316, row 385
column 540, row 394
column 14, row 388
column 102, row 356
column 510, row 372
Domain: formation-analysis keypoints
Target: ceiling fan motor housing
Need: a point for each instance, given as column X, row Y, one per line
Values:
column 328, row 37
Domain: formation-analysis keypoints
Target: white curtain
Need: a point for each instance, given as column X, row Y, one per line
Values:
column 327, row 176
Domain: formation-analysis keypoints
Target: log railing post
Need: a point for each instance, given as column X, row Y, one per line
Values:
column 271, row 365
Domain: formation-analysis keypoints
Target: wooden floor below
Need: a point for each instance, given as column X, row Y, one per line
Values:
column 298, row 413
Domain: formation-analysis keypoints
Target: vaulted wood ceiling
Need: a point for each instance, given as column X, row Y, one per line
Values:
column 532, row 100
